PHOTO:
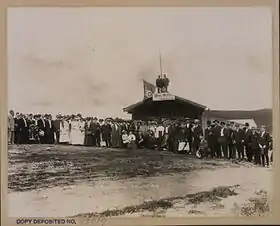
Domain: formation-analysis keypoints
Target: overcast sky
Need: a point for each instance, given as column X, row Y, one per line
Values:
column 92, row 60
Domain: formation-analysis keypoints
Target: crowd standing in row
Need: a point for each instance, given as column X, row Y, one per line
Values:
column 223, row 140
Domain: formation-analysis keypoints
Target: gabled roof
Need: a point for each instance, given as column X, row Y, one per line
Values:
column 131, row 107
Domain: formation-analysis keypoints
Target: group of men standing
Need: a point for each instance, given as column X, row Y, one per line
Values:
column 229, row 140
column 24, row 128
column 187, row 131
column 162, row 84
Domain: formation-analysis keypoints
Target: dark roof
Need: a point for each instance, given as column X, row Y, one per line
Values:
column 131, row 107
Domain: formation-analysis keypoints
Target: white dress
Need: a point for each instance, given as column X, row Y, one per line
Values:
column 77, row 132
column 64, row 132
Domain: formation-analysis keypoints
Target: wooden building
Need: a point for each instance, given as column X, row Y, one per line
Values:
column 148, row 109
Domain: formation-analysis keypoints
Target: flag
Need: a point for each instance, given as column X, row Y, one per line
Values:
column 149, row 89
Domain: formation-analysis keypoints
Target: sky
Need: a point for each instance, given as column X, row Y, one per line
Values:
column 92, row 60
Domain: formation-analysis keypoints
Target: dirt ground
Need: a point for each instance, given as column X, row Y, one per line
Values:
column 85, row 182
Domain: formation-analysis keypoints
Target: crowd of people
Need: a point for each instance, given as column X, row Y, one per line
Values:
column 226, row 140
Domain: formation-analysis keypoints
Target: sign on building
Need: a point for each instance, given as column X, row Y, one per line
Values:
column 163, row 96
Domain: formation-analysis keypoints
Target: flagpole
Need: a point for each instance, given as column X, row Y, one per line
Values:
column 143, row 87
column 160, row 63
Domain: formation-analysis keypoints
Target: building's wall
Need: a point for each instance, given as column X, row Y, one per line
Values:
column 167, row 109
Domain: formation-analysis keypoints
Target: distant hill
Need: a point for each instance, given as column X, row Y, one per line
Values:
column 261, row 117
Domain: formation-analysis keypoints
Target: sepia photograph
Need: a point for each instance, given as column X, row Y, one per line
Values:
column 139, row 112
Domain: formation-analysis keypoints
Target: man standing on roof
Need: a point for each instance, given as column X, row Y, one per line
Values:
column 159, row 84
column 165, row 83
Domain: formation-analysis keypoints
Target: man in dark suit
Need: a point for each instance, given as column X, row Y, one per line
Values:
column 165, row 83
column 106, row 130
column 231, row 149
column 17, row 133
column 264, row 143
column 49, row 130
column 223, row 139
column 216, row 134
column 255, row 146
column 247, row 144
column 23, row 130
column 159, row 84
column 197, row 135
column 88, row 135
column 42, row 129
column 56, row 125
column 11, row 127
column 209, row 138
column 238, row 141
column 207, row 130
column 189, row 134
column 172, row 132
column 94, row 128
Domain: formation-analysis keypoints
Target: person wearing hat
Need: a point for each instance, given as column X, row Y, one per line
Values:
column 189, row 133
column 116, row 135
column 159, row 84
column 11, row 127
column 23, row 129
column 56, row 125
column 216, row 129
column 247, row 144
column 223, row 140
column 231, row 150
column 88, row 134
column 42, row 129
column 16, row 118
column 238, row 141
column 210, row 138
column 207, row 130
column 264, row 143
column 165, row 83
column 106, row 131
column 197, row 135
column 94, row 129
column 49, row 130
column 255, row 146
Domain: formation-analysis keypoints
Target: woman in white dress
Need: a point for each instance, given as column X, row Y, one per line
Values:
column 77, row 131
column 64, row 132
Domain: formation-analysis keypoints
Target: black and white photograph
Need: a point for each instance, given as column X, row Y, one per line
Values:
column 139, row 112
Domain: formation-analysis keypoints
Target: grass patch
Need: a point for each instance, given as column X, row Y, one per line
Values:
column 163, row 204
column 256, row 206
column 211, row 196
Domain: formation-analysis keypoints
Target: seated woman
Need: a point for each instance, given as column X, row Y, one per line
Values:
column 151, row 140
column 132, row 140
column 140, row 140
column 125, row 139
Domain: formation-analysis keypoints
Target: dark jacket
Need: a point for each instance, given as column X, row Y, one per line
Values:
column 197, row 132
column 56, row 125
column 254, row 141
column 238, row 136
column 41, row 124
column 106, row 130
column 247, row 136
column 230, row 136
column 265, row 139
column 94, row 128
column 159, row 83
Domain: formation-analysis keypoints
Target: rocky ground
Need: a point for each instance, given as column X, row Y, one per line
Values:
column 97, row 182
